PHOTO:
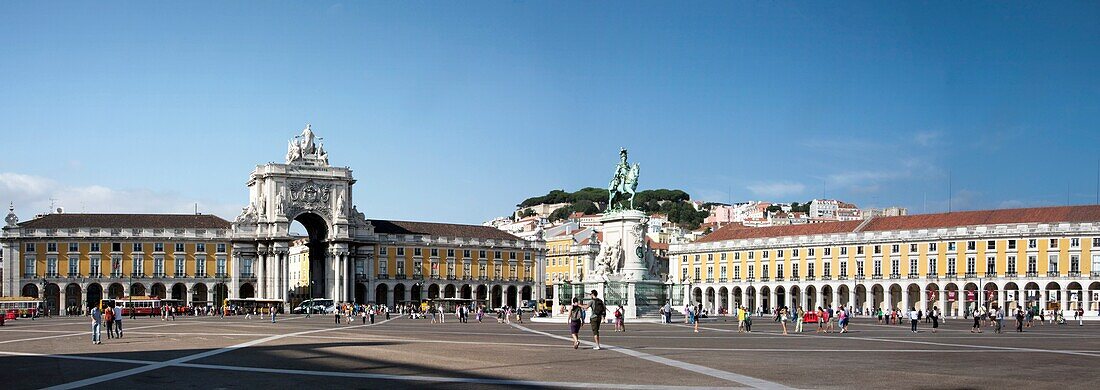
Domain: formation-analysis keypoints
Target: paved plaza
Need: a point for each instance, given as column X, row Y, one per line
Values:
column 235, row 352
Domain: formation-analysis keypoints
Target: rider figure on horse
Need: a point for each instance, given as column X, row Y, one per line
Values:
column 624, row 182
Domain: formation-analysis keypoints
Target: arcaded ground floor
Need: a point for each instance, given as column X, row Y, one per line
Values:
column 235, row 352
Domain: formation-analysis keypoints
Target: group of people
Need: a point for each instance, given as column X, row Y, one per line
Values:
column 595, row 311
column 112, row 317
column 347, row 312
column 824, row 317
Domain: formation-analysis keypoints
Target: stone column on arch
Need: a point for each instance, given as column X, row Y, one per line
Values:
column 261, row 275
column 924, row 299
column 852, row 298
column 731, row 304
column 1063, row 298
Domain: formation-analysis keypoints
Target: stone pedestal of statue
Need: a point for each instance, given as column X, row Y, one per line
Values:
column 624, row 272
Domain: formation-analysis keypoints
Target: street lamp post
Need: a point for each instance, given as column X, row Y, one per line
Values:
column 45, row 304
column 309, row 309
column 131, row 294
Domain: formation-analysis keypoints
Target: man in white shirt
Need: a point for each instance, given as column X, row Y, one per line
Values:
column 914, row 317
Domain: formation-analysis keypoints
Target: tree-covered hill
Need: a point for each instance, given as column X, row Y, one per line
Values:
column 590, row 200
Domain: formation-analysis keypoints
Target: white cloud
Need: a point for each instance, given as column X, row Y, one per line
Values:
column 32, row 195
column 927, row 138
column 775, row 190
column 845, row 179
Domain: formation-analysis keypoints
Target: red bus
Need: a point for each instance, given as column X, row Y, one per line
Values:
column 140, row 306
column 15, row 307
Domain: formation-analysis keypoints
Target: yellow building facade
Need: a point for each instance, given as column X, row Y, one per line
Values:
column 75, row 260
column 953, row 261
column 483, row 265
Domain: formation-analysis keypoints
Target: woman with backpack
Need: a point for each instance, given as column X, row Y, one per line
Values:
column 575, row 321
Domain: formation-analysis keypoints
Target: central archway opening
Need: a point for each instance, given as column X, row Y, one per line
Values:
column 315, row 229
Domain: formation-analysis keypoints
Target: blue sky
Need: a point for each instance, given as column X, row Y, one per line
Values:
column 456, row 111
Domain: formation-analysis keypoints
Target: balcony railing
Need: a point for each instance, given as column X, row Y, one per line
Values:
column 1010, row 274
column 158, row 274
column 913, row 275
column 895, row 276
column 826, row 277
column 95, row 275
column 222, row 275
column 795, row 278
column 932, row 276
column 1052, row 274
column 116, row 274
column 75, row 276
column 736, row 280
column 1074, row 275
column 876, row 276
column 248, row 275
column 990, row 274
column 779, row 278
column 861, row 277
column 382, row 276
column 721, row 280
column 1032, row 274
column 763, row 278
column 400, row 277
column 970, row 275
column 710, row 280
column 1095, row 274
column 52, row 275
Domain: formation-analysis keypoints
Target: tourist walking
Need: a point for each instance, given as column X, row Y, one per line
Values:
column 740, row 319
column 97, row 321
column 935, row 316
column 977, row 327
column 1020, row 318
column 574, row 321
column 999, row 317
column 273, row 310
column 914, row 318
column 842, row 319
column 783, row 317
column 801, row 313
column 619, row 326
column 109, row 319
column 118, row 321
column 599, row 311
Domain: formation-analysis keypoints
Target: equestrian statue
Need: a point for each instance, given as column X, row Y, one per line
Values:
column 623, row 184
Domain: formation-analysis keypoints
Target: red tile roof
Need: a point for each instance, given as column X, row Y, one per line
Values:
column 1089, row 213
column 441, row 230
column 127, row 221
column 1058, row 214
column 739, row 232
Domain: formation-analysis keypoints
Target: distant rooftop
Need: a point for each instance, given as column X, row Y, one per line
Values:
column 1090, row 213
column 122, row 221
column 441, row 230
